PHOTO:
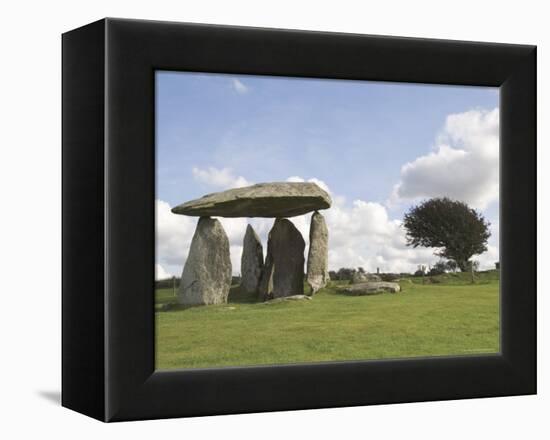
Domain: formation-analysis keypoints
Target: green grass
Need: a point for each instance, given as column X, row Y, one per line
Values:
column 449, row 317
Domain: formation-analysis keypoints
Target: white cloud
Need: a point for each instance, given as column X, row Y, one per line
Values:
column 160, row 273
column 488, row 259
column 318, row 182
column 463, row 166
column 222, row 178
column 360, row 234
column 364, row 235
column 175, row 232
column 238, row 86
column 173, row 237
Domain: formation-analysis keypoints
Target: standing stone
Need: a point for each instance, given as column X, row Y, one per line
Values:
column 317, row 258
column 283, row 273
column 252, row 261
column 206, row 276
column 266, row 280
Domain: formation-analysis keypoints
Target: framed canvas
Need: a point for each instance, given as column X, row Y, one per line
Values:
column 143, row 103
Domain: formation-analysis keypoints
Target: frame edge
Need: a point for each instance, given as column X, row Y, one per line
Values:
column 83, row 97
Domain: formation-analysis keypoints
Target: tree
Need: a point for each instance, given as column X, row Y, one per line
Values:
column 452, row 227
column 473, row 267
column 345, row 273
column 438, row 268
column 450, row 265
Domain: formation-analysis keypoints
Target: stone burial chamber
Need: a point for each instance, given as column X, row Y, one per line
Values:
column 206, row 276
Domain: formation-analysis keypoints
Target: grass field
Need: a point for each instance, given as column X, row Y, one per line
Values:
column 447, row 315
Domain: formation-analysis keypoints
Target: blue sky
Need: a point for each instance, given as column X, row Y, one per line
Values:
column 355, row 136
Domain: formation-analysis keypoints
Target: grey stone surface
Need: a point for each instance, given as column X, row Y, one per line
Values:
column 371, row 288
column 252, row 261
column 317, row 258
column 277, row 199
column 283, row 273
column 288, row 298
column 266, row 280
column 359, row 277
column 206, row 276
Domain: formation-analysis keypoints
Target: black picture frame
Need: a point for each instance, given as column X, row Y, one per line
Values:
column 108, row 219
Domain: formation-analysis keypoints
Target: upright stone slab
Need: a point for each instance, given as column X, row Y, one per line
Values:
column 283, row 273
column 266, row 280
column 317, row 259
column 252, row 261
column 206, row 276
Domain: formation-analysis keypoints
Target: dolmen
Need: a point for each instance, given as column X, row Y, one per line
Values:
column 206, row 276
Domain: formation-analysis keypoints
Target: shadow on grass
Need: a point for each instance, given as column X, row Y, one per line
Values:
column 343, row 292
column 236, row 296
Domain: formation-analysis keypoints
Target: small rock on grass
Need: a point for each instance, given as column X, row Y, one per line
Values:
column 371, row 288
column 288, row 298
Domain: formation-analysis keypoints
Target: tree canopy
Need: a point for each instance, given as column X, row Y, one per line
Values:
column 452, row 227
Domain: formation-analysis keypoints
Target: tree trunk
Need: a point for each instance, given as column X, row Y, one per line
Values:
column 462, row 265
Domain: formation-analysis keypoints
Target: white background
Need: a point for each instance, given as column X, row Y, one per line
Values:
column 30, row 232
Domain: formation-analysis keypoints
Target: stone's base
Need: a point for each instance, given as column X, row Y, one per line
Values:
column 317, row 259
column 252, row 262
column 283, row 273
column 370, row 288
column 206, row 277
